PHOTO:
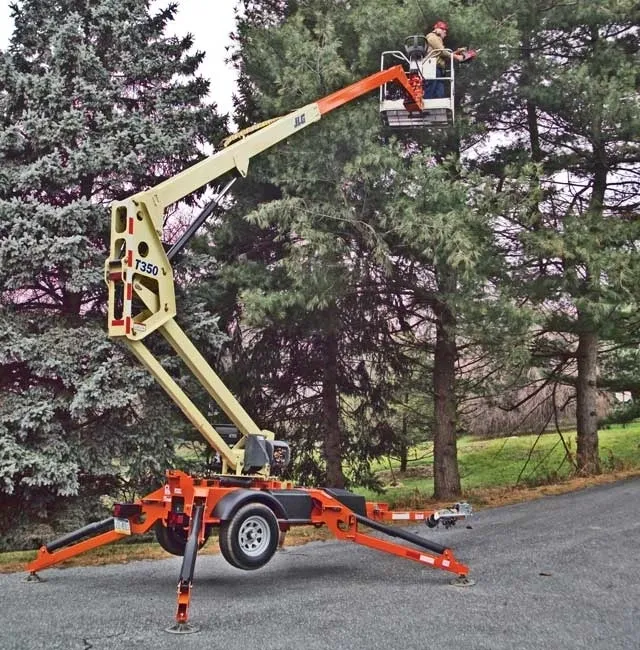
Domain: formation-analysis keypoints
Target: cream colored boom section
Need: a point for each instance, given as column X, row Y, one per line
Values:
column 237, row 156
column 231, row 458
column 140, row 278
column 207, row 377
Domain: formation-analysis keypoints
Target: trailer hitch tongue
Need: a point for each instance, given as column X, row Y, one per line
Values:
column 448, row 516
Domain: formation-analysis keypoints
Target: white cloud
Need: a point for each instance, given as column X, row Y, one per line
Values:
column 6, row 25
column 210, row 22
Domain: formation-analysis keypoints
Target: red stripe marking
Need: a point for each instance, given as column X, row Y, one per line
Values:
column 116, row 323
column 129, row 291
column 131, row 225
column 129, row 258
column 128, row 325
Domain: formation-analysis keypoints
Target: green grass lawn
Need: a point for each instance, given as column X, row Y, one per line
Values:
column 485, row 465
column 507, row 462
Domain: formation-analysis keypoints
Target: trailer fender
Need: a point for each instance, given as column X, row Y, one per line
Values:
column 230, row 503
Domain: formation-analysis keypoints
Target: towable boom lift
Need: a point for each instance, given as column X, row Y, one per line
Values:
column 249, row 506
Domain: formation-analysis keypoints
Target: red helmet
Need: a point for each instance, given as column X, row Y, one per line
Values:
column 441, row 25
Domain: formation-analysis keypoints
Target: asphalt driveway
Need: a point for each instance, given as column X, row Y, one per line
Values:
column 558, row 573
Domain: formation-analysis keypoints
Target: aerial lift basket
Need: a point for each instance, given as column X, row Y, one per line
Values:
column 438, row 112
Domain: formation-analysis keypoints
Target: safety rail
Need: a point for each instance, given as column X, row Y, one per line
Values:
column 436, row 112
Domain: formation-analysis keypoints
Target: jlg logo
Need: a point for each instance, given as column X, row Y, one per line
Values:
column 299, row 120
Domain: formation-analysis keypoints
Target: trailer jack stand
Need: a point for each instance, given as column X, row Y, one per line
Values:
column 463, row 581
column 182, row 626
column 34, row 577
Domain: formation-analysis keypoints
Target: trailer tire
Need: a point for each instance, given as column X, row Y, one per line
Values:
column 173, row 540
column 249, row 538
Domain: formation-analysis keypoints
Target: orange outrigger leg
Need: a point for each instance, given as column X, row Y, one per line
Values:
column 192, row 504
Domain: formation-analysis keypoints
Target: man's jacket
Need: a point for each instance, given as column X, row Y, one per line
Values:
column 434, row 42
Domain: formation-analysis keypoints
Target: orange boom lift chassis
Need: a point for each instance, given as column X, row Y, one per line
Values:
column 249, row 507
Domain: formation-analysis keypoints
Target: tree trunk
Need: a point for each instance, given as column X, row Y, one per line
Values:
column 446, row 477
column 587, row 456
column 332, row 435
column 586, row 395
column 404, row 447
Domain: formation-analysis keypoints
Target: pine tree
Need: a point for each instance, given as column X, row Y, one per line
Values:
column 96, row 103
column 314, row 289
column 359, row 207
column 575, row 106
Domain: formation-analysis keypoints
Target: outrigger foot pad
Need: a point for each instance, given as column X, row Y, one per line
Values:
column 182, row 628
column 34, row 577
column 463, row 581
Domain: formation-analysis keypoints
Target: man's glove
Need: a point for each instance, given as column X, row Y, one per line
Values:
column 467, row 55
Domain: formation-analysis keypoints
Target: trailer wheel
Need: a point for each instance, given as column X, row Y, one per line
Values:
column 250, row 537
column 173, row 540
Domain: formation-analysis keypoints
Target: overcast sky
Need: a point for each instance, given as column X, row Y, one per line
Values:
column 210, row 21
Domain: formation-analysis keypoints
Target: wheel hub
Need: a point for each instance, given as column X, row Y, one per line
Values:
column 254, row 536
